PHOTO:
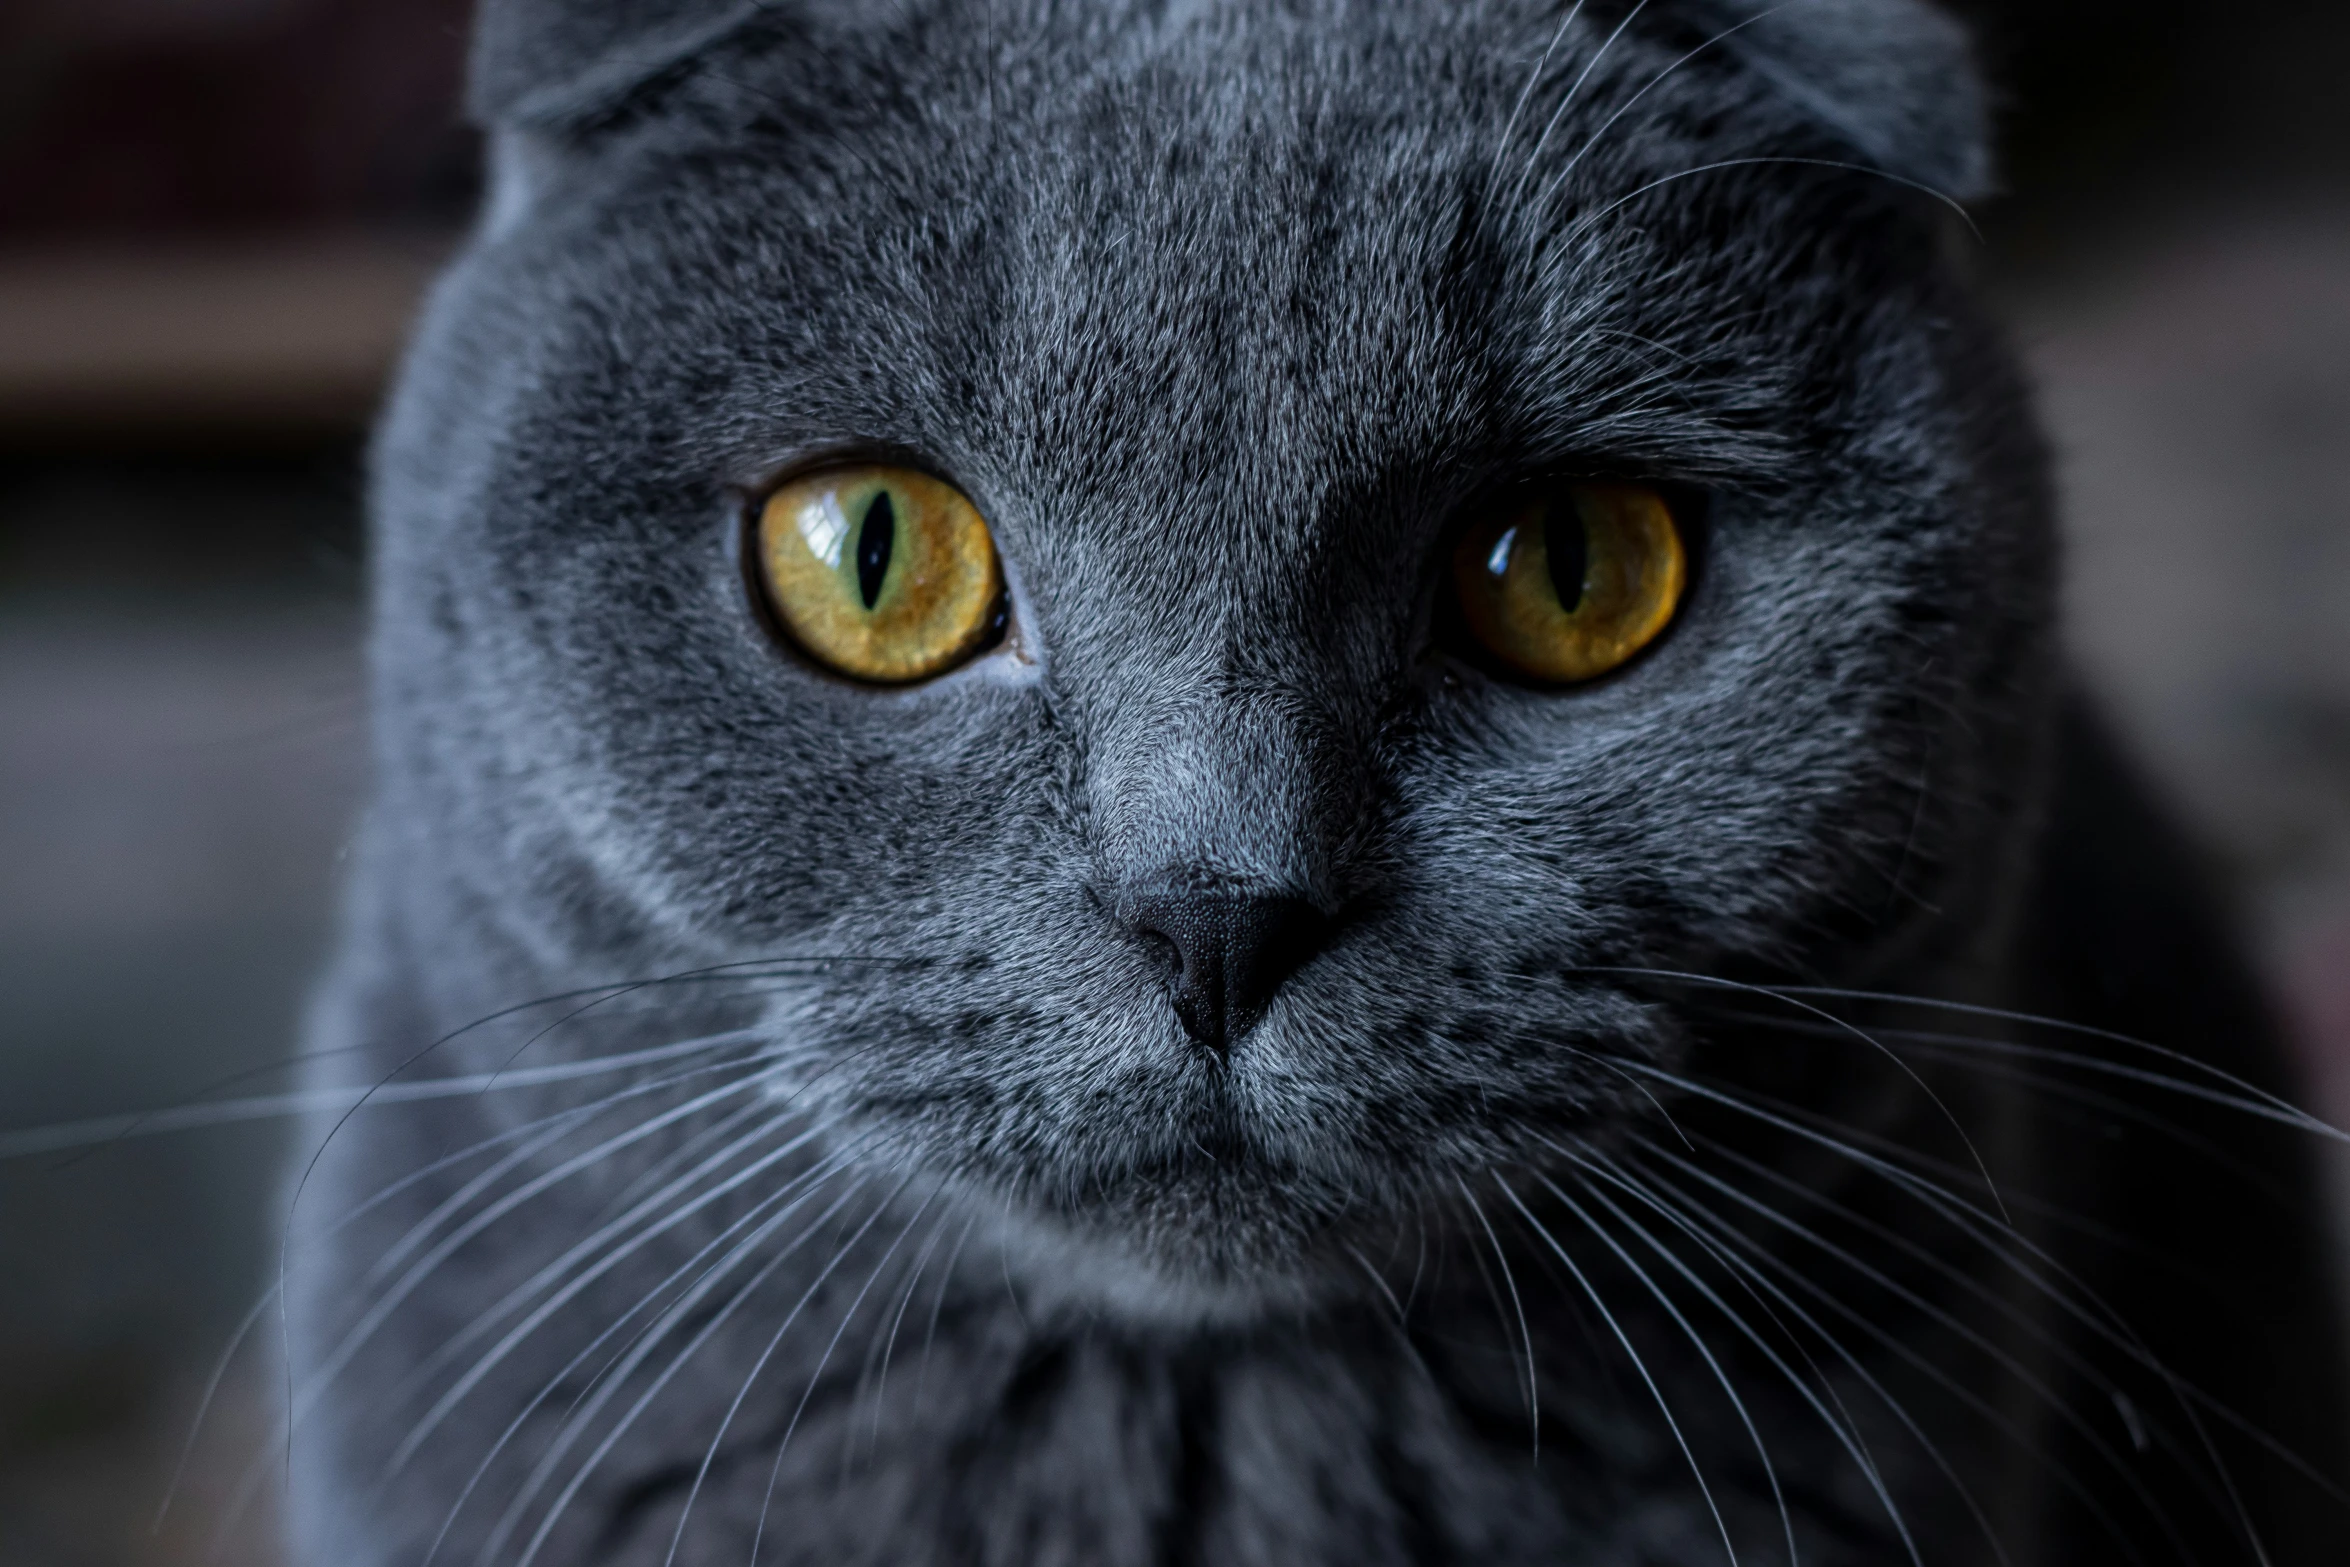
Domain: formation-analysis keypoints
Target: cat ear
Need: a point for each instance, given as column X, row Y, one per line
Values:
column 1896, row 79
column 548, row 63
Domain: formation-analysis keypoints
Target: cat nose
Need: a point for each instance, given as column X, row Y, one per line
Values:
column 1234, row 951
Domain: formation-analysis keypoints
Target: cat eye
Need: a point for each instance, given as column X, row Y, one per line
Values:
column 881, row 574
column 1573, row 583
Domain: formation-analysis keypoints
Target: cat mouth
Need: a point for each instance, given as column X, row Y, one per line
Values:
column 1079, row 1111
column 1223, row 1210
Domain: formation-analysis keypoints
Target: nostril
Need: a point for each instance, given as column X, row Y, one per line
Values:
column 1165, row 950
column 1232, row 952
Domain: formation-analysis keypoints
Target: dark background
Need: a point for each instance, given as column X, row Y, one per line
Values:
column 214, row 216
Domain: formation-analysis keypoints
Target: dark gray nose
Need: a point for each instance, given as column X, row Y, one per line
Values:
column 1234, row 950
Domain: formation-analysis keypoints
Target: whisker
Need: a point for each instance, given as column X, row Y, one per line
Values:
column 1855, row 1032
column 423, row 1229
column 548, row 1276
column 563, row 1122
column 390, row 1299
column 2285, row 1108
column 1713, row 1365
column 1752, row 1286
column 718, row 1438
column 731, row 1252
column 2015, row 1251
column 1509, row 126
column 155, row 1123
column 1004, row 1260
column 2001, row 1240
column 2299, row 1120
column 1394, row 1305
column 1626, row 107
column 94, row 1130
column 1584, row 224
column 663, row 1171
column 1793, row 1125
column 759, row 967
column 2034, row 1265
column 889, row 1346
column 1518, row 189
column 1895, row 1344
column 1614, row 1065
column 567, row 1119
column 212, row 1386
column 1411, row 1292
column 1705, row 1351
column 1941, row 1177
column 578, row 1253
column 1518, row 1306
column 946, row 1279
column 1959, row 1052
column 2238, row 1094
column 2019, row 1258
column 1639, row 1365
column 576, row 1426
column 801, row 1408
column 310, row 1169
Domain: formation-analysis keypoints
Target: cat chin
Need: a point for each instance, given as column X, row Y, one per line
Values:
column 1064, row 1273
column 1158, row 1272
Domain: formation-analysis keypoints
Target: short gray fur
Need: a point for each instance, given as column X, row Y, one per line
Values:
column 1227, row 316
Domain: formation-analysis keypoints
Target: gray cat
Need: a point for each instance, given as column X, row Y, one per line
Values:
column 1265, row 784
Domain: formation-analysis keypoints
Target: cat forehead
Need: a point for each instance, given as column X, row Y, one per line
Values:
column 1893, row 79
column 1136, row 174
column 1311, row 188
column 1141, row 287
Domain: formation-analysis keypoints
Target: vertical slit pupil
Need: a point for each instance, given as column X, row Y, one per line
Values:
column 877, row 537
column 1569, row 549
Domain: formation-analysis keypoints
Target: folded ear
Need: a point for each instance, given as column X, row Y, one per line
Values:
column 1895, row 79
column 549, row 62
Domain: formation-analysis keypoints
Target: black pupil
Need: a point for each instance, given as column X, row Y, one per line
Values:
column 1570, row 554
column 876, row 537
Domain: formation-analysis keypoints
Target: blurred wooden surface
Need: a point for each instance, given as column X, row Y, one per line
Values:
column 178, row 341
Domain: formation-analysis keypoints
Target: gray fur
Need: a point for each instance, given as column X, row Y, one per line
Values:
column 1894, row 77
column 548, row 62
column 1224, row 315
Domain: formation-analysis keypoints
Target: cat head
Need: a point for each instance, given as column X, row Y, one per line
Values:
column 1229, row 889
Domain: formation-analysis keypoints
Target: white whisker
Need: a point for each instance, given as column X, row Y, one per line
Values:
column 1626, row 107
column 816, row 1376
column 576, row 1426
column 905, row 1300
column 775, row 1341
column 1697, row 1341
column 1509, row 126
column 731, row 1251
column 1995, row 1301
column 1639, row 1365
column 946, row 1279
column 1525, row 1335
column 320, row 1101
column 371, row 1321
column 1855, row 1032
column 1518, row 189
column 578, row 1284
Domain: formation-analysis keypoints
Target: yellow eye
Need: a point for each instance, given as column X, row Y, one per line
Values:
column 1573, row 584
column 883, row 574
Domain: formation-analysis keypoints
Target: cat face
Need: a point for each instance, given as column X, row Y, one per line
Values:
column 1230, row 327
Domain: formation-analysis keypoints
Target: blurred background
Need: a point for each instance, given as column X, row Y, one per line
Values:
column 215, row 216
